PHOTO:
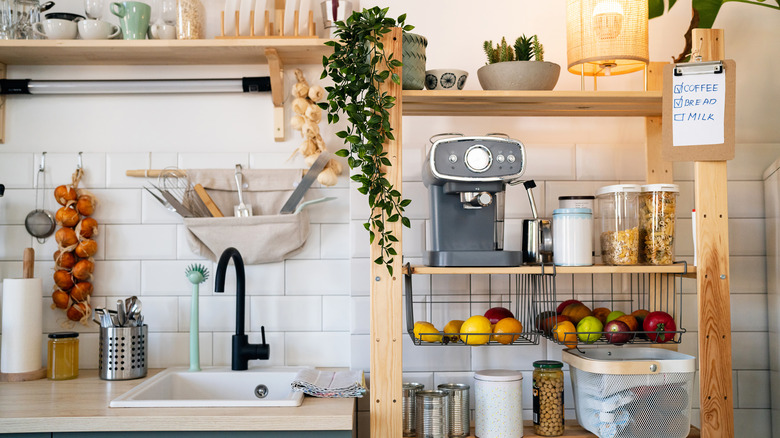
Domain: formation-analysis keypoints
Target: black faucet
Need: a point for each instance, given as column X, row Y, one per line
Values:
column 243, row 351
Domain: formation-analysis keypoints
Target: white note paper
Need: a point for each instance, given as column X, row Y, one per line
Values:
column 698, row 103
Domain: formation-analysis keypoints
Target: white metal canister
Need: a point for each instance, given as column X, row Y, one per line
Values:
column 573, row 236
column 499, row 403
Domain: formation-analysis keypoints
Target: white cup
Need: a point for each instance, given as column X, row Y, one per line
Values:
column 162, row 31
column 97, row 30
column 56, row 29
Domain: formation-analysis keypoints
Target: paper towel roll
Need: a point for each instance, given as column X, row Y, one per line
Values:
column 20, row 351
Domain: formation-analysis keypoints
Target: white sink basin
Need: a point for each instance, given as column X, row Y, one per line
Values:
column 213, row 387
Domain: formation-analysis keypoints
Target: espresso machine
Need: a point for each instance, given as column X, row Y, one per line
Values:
column 466, row 179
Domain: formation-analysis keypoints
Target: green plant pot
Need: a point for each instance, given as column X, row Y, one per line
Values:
column 414, row 61
column 519, row 75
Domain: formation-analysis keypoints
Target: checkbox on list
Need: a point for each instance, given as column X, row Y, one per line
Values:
column 678, row 103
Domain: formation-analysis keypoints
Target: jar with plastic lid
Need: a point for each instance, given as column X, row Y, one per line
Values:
column 619, row 211
column 572, row 236
column 63, row 361
column 548, row 398
column 657, row 217
column 499, row 404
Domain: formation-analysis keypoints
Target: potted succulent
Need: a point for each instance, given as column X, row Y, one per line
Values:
column 521, row 67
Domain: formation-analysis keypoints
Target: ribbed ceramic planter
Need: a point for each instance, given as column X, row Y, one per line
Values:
column 414, row 61
column 519, row 75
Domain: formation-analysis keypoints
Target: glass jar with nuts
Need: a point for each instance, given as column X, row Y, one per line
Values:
column 548, row 398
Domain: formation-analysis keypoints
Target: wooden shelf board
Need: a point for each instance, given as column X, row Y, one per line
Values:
column 532, row 103
column 160, row 52
column 595, row 269
column 574, row 430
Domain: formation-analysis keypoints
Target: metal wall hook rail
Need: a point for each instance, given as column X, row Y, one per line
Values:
column 80, row 164
column 42, row 167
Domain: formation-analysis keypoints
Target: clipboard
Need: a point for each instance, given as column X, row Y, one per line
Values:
column 695, row 103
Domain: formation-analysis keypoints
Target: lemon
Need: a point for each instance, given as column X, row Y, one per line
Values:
column 476, row 324
column 453, row 327
column 425, row 331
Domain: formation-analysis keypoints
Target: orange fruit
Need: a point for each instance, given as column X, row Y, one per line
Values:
column 576, row 312
column 476, row 324
column 631, row 322
column 507, row 325
column 565, row 333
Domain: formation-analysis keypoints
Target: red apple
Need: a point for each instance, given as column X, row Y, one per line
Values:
column 563, row 305
column 496, row 314
column 617, row 332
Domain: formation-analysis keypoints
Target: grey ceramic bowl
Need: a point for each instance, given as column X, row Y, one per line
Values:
column 445, row 79
column 519, row 75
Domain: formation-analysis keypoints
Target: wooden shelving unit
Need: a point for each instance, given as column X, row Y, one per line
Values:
column 596, row 269
column 712, row 280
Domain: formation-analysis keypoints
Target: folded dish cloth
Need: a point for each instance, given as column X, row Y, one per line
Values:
column 329, row 383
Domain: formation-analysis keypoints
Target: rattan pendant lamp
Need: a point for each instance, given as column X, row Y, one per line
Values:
column 606, row 37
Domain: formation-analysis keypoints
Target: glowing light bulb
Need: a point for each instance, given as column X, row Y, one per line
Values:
column 608, row 19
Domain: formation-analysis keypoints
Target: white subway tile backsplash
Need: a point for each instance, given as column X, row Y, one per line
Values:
column 161, row 314
column 317, row 277
column 217, row 313
column 322, row 349
column 749, row 350
column 360, row 352
column 748, row 274
column 89, row 351
column 413, row 239
column 152, row 212
column 146, row 242
column 264, row 279
column 418, row 194
column 550, row 162
column 333, row 241
column 311, row 249
column 360, row 280
column 751, row 160
column 118, row 163
column 486, row 357
column 756, row 389
column 117, row 278
column 747, row 237
column 18, row 170
column 360, row 315
column 223, row 160
column 750, row 423
column 335, row 310
column 284, row 314
column 554, row 189
column 335, row 211
column 166, row 277
column 412, row 163
column 748, row 304
column 61, row 166
column 173, row 349
column 607, row 162
column 746, row 199
column 517, row 204
column 422, row 358
column 359, row 240
column 15, row 239
column 16, row 204
column 118, row 206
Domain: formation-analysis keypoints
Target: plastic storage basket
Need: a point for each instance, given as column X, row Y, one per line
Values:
column 632, row 392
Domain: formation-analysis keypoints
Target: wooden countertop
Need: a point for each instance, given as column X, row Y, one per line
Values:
column 81, row 405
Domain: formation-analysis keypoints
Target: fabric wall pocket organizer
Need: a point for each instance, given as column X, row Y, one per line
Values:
column 267, row 236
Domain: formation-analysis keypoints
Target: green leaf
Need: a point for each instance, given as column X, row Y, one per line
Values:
column 708, row 11
column 671, row 3
column 405, row 221
column 406, row 202
column 390, row 267
column 342, row 153
column 379, row 261
column 655, row 8
column 391, row 251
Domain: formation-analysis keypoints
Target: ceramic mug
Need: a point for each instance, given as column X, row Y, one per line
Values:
column 162, row 31
column 97, row 30
column 133, row 18
column 56, row 29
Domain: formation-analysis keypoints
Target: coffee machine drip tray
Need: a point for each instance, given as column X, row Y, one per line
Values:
column 474, row 258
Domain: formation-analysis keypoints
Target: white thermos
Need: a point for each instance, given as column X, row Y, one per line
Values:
column 20, row 351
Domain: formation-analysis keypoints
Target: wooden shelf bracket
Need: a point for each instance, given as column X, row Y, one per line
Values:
column 276, row 72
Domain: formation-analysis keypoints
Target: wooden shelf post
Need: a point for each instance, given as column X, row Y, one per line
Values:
column 386, row 290
column 712, row 281
column 3, row 70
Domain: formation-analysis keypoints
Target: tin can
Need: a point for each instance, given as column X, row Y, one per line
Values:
column 458, row 407
column 431, row 412
column 409, row 391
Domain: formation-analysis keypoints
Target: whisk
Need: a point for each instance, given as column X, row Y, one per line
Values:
column 176, row 182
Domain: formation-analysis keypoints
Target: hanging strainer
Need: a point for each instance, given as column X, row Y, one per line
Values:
column 39, row 222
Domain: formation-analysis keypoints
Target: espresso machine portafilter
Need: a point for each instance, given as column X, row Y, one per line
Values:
column 466, row 179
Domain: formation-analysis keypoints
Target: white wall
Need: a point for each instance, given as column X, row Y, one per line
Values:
column 315, row 306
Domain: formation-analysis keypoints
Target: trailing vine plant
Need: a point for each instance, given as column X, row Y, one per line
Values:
column 358, row 67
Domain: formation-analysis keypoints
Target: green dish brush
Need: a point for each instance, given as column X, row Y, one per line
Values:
column 196, row 274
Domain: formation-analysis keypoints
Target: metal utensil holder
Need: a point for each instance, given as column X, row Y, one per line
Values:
column 123, row 352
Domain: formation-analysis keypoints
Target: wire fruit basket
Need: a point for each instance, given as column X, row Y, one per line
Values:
column 484, row 291
column 632, row 392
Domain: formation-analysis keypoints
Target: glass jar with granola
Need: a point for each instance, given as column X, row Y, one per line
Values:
column 190, row 20
column 657, row 215
column 619, row 211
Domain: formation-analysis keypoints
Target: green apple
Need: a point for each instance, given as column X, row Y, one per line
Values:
column 615, row 314
column 589, row 329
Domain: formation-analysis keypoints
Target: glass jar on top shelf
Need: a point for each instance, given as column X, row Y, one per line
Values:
column 190, row 20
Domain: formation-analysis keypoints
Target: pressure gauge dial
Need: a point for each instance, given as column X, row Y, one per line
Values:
column 478, row 158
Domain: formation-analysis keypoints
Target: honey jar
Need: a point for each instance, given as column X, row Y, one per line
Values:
column 63, row 356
